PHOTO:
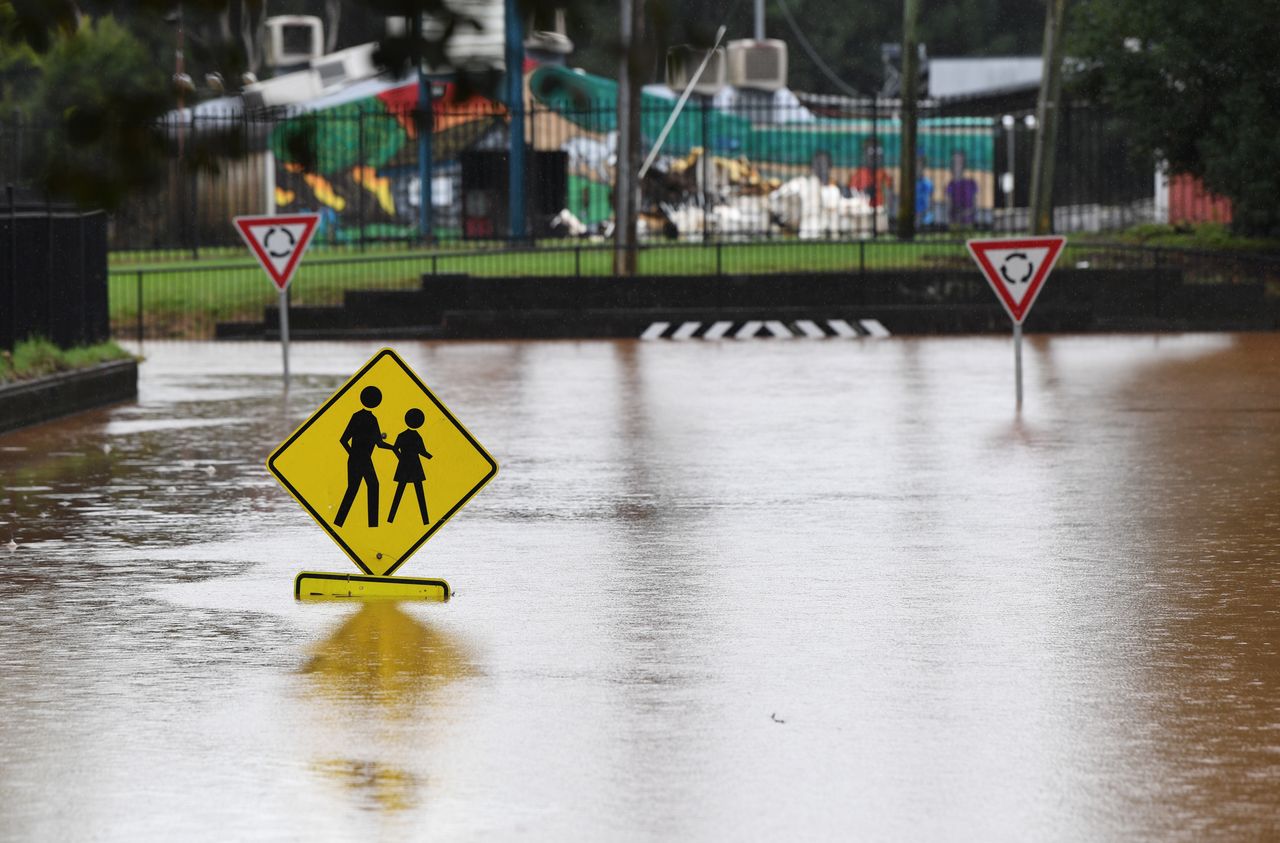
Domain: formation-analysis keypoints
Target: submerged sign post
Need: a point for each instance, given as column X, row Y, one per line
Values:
column 1016, row 269
column 383, row 435
column 278, row 243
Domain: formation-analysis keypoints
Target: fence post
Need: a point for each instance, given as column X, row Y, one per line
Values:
column 862, row 254
column 139, row 312
column 50, row 298
column 12, row 304
column 364, row 175
column 705, row 168
column 577, row 260
column 195, row 200
column 19, row 130
column 875, row 168
column 719, row 259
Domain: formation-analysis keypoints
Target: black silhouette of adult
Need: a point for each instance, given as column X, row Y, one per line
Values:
column 359, row 439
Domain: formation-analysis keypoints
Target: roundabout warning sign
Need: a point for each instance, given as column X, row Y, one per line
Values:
column 1016, row 268
column 278, row 242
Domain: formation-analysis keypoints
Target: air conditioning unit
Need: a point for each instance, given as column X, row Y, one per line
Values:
column 761, row 65
column 289, row 89
column 294, row 40
column 683, row 62
column 349, row 65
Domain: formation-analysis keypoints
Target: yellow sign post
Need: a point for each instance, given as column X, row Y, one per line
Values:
column 381, row 466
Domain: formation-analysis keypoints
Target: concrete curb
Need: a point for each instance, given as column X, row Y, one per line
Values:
column 42, row 399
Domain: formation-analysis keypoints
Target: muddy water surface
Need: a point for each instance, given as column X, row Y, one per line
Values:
column 767, row 590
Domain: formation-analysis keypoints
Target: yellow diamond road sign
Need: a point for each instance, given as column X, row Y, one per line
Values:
column 382, row 464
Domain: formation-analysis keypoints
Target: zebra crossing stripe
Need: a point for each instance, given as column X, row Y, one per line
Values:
column 810, row 329
column 842, row 328
column 768, row 329
column 874, row 328
column 778, row 330
column 655, row 331
column 686, row 330
column 717, row 331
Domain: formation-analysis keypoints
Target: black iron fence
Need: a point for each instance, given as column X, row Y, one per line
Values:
column 53, row 274
column 188, row 299
column 758, row 169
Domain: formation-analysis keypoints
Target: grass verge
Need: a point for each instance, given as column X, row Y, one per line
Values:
column 38, row 357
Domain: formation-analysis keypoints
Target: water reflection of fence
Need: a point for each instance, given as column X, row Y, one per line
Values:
column 188, row 299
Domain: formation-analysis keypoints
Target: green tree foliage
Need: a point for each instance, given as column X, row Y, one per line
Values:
column 80, row 95
column 1196, row 84
column 98, row 93
column 19, row 66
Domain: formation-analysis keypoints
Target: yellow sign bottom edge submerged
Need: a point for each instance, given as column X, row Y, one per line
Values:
column 314, row 586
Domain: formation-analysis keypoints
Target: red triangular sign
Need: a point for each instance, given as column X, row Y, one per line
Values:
column 1016, row 268
column 278, row 242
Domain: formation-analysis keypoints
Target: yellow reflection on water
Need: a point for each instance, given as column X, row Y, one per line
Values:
column 380, row 667
column 377, row 785
column 384, row 661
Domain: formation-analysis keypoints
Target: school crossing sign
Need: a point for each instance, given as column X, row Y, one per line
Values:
column 382, row 465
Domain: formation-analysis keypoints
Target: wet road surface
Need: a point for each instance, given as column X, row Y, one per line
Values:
column 736, row 591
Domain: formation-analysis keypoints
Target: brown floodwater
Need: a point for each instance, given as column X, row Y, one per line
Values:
column 718, row 591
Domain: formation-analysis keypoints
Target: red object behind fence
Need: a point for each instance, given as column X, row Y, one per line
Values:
column 1189, row 202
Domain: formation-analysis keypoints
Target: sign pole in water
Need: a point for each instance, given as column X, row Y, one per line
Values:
column 1016, row 269
column 284, row 334
column 1017, row 360
column 278, row 242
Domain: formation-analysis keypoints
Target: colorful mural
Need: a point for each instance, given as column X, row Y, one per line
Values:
column 355, row 162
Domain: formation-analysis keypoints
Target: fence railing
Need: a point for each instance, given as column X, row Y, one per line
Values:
column 52, row 284
column 738, row 171
column 189, row 299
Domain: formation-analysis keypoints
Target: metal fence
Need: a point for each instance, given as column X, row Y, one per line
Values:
column 191, row 299
column 746, row 169
column 53, row 281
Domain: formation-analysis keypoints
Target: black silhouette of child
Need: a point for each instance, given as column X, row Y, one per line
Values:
column 359, row 439
column 409, row 449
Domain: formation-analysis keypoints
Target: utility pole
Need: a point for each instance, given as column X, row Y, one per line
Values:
column 907, row 151
column 631, row 14
column 1042, row 157
column 517, row 164
column 425, row 128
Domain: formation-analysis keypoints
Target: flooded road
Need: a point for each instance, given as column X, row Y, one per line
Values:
column 718, row 591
